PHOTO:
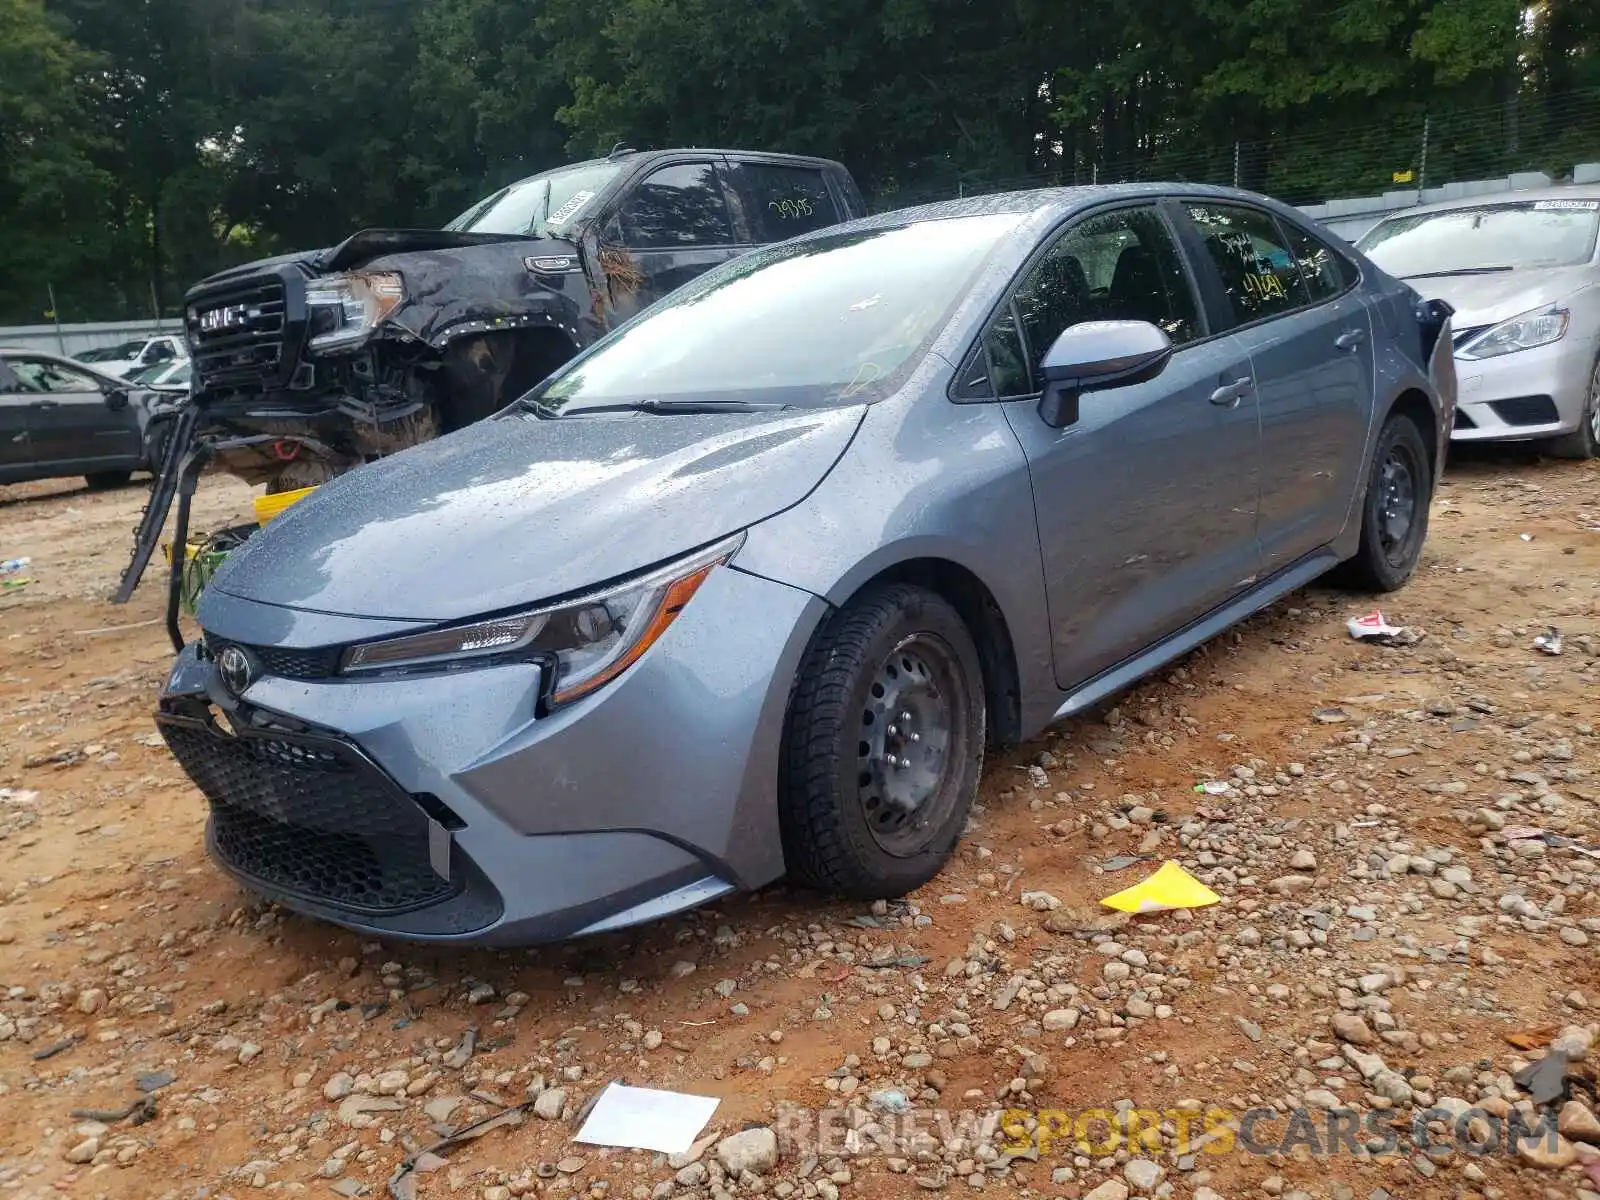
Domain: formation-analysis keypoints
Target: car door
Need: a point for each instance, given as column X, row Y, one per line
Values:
column 1292, row 301
column 72, row 420
column 15, row 452
column 1146, row 504
column 674, row 223
column 783, row 200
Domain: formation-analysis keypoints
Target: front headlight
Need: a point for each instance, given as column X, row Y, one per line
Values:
column 1531, row 329
column 344, row 309
column 585, row 643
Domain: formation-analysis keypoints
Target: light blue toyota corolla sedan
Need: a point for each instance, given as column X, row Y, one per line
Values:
column 750, row 587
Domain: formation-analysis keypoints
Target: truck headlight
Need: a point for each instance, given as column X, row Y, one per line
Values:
column 344, row 309
column 585, row 642
column 1537, row 328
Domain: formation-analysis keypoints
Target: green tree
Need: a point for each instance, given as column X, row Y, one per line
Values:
column 52, row 197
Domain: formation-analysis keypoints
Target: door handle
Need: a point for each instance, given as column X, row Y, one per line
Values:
column 45, row 404
column 1231, row 393
column 1350, row 339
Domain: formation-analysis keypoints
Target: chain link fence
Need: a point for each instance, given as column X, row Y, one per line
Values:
column 1411, row 151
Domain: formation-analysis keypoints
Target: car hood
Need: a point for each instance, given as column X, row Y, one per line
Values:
column 519, row 509
column 1481, row 300
column 360, row 249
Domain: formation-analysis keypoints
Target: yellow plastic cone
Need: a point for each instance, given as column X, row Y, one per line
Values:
column 1170, row 887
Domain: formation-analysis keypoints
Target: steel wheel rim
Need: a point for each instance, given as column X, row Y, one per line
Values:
column 1594, row 404
column 912, row 720
column 1397, row 503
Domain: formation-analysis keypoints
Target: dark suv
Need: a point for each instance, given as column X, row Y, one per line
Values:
column 310, row 364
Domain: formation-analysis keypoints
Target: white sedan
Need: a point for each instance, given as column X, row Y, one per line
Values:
column 1522, row 271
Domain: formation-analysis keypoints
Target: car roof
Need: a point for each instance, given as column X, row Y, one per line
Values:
column 638, row 156
column 1057, row 202
column 1559, row 191
column 64, row 360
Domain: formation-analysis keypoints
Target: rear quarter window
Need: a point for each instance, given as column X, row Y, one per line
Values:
column 784, row 201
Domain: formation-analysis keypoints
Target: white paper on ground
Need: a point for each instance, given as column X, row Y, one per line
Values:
column 646, row 1119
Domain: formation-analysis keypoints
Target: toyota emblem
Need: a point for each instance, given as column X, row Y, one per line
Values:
column 237, row 671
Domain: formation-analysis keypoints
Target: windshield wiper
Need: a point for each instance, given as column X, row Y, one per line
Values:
column 1457, row 271
column 678, row 406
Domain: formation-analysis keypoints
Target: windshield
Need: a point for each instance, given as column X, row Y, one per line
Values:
column 1503, row 237
column 165, row 373
column 543, row 205
column 831, row 318
column 108, row 353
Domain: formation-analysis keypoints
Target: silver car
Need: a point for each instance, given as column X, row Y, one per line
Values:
column 1522, row 271
column 750, row 587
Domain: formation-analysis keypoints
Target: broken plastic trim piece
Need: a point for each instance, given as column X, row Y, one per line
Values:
column 690, row 895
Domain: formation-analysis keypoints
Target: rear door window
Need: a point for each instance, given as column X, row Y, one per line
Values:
column 1258, row 271
column 681, row 205
column 785, row 201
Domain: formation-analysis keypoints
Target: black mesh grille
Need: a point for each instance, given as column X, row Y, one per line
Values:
column 321, row 663
column 310, row 816
column 237, row 331
column 1527, row 410
column 1463, row 421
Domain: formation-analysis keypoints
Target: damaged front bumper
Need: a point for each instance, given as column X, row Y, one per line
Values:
column 444, row 807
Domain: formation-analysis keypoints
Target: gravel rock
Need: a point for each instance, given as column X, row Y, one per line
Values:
column 1537, row 1151
column 339, row 1085
column 1351, row 1028
column 1058, row 1020
column 550, row 1104
column 753, row 1150
column 1142, row 1174
column 1578, row 1123
column 1111, row 1189
column 84, row 1151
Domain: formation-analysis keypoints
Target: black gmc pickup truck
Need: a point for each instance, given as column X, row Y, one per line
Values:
column 397, row 335
column 310, row 364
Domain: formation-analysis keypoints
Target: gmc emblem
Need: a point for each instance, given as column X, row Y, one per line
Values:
column 215, row 319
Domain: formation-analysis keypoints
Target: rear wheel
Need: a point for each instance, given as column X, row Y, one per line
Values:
column 100, row 481
column 1584, row 441
column 1394, row 515
column 883, row 747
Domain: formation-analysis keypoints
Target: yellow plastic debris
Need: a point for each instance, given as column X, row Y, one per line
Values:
column 1170, row 887
column 268, row 507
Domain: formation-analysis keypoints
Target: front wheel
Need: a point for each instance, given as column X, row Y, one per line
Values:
column 1584, row 441
column 1394, row 514
column 883, row 746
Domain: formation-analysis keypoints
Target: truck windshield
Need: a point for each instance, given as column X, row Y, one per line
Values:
column 541, row 206
column 833, row 318
column 1491, row 237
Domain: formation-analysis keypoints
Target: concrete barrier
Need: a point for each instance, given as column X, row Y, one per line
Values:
column 71, row 340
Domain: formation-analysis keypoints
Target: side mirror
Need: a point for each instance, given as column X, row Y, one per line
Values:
column 117, row 399
column 1094, row 355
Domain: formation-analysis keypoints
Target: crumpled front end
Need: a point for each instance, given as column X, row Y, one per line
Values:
column 304, row 373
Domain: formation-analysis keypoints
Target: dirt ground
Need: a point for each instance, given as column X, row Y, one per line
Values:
column 1360, row 851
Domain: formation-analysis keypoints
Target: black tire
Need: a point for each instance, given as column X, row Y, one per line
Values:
column 100, row 481
column 852, row 824
column 1394, row 509
column 1584, row 441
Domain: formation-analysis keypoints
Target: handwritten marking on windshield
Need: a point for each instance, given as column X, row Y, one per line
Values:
column 867, row 374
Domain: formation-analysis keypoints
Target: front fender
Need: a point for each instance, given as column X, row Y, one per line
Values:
column 924, row 481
